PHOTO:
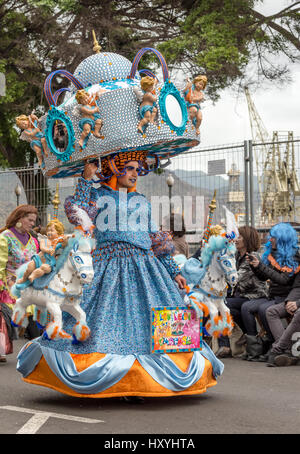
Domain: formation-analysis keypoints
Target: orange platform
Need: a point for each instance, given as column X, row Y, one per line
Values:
column 137, row 382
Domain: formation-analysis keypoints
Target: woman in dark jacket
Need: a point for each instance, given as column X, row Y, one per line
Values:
column 279, row 265
column 249, row 287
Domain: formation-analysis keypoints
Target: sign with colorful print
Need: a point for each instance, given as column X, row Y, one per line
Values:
column 175, row 330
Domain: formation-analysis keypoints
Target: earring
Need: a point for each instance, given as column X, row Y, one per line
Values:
column 19, row 225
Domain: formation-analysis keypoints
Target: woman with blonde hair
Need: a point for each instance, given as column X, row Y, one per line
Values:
column 17, row 246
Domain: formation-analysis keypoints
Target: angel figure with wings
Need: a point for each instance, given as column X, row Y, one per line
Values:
column 32, row 133
column 90, row 115
column 193, row 95
column 147, row 99
column 44, row 262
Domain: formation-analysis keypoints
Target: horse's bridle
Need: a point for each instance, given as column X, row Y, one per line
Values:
column 79, row 269
column 226, row 272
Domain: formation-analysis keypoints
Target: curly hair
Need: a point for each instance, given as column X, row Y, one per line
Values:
column 147, row 83
column 59, row 227
column 18, row 213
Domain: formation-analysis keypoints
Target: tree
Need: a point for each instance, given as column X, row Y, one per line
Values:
column 223, row 37
column 218, row 37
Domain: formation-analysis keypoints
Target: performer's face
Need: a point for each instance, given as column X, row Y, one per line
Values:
column 129, row 180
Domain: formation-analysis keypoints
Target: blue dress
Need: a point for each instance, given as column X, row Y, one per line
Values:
column 134, row 271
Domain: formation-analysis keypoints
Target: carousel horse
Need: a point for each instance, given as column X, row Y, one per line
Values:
column 207, row 282
column 59, row 290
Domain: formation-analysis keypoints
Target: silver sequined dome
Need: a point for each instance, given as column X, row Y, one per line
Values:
column 102, row 67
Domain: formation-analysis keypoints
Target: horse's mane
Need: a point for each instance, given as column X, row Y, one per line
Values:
column 77, row 237
column 194, row 270
column 215, row 243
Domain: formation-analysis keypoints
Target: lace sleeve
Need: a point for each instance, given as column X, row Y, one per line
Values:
column 170, row 264
column 85, row 198
column 163, row 248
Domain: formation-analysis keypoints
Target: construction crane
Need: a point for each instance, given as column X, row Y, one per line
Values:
column 276, row 172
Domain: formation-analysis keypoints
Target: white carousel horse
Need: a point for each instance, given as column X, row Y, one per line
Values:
column 60, row 290
column 208, row 279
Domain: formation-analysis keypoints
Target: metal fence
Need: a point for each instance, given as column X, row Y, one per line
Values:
column 28, row 185
column 244, row 176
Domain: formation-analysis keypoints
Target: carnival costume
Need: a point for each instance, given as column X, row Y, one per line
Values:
column 133, row 266
column 13, row 254
column 133, row 273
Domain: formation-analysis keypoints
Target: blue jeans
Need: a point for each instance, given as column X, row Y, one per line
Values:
column 258, row 307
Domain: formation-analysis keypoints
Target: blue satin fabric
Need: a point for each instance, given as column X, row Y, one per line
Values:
column 112, row 368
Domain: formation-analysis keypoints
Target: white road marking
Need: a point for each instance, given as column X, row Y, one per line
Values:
column 40, row 417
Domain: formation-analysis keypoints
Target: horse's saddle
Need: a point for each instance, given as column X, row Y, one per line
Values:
column 41, row 282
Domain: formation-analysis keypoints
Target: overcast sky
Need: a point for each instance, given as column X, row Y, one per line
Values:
column 227, row 121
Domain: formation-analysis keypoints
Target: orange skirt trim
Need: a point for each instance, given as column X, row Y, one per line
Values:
column 137, row 382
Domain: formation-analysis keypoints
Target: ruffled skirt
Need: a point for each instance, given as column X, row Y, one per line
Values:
column 116, row 360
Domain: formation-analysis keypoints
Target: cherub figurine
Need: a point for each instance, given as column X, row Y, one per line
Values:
column 45, row 261
column 147, row 98
column 193, row 96
column 89, row 112
column 33, row 134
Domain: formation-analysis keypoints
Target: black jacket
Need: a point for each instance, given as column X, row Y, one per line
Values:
column 248, row 284
column 282, row 283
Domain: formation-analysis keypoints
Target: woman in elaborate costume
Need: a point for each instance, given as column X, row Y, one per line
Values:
column 134, row 271
column 17, row 246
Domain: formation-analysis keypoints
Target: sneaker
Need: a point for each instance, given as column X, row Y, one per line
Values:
column 3, row 359
column 263, row 358
column 223, row 352
column 285, row 359
column 271, row 359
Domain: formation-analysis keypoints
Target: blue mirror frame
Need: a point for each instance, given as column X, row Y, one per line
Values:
column 170, row 89
column 53, row 115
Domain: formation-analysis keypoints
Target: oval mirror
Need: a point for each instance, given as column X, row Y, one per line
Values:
column 173, row 108
column 60, row 136
column 174, row 111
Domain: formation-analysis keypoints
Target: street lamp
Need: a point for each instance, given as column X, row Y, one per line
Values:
column 18, row 191
column 170, row 183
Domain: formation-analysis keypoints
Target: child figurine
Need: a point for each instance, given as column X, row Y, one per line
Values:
column 45, row 261
column 193, row 96
column 148, row 106
column 89, row 111
column 33, row 134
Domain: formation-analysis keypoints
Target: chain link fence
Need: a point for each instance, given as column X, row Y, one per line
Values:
column 257, row 182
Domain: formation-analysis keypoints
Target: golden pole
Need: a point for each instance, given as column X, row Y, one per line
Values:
column 56, row 201
column 96, row 48
column 212, row 206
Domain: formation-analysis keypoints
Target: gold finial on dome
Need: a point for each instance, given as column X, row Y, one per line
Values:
column 56, row 201
column 97, row 48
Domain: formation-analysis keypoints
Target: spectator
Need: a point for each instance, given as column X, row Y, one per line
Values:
column 279, row 264
column 249, row 287
column 16, row 247
column 177, row 230
column 280, row 353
